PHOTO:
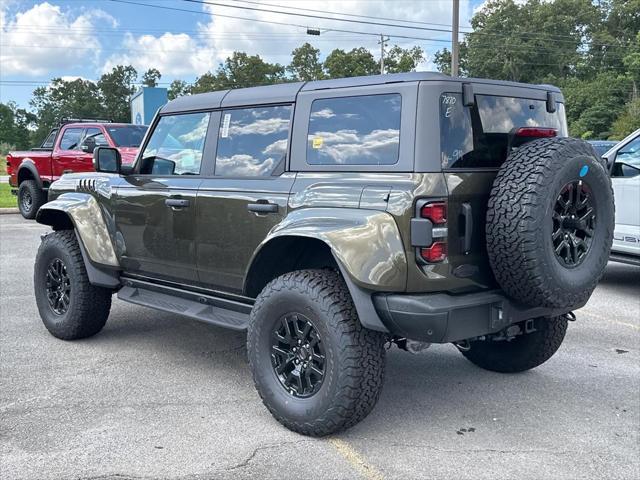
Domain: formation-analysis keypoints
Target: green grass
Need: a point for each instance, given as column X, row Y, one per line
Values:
column 6, row 198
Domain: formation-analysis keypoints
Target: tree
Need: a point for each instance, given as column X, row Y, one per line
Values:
column 357, row 62
column 151, row 77
column 62, row 98
column 239, row 71
column 116, row 87
column 442, row 60
column 305, row 63
column 178, row 88
column 401, row 59
column 15, row 125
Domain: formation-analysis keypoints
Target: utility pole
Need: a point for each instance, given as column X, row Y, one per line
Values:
column 455, row 46
column 383, row 42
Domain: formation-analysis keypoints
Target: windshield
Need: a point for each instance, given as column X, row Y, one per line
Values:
column 129, row 136
column 479, row 136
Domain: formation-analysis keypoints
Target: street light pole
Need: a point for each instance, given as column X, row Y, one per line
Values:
column 455, row 46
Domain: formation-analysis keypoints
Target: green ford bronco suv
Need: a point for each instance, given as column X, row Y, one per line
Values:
column 332, row 218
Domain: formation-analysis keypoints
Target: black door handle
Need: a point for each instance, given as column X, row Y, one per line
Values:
column 177, row 202
column 263, row 207
column 467, row 215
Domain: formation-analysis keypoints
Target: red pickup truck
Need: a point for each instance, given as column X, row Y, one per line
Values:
column 68, row 148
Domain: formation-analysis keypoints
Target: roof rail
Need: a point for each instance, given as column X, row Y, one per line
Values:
column 64, row 120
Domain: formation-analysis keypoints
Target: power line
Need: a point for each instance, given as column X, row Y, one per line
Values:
column 272, row 22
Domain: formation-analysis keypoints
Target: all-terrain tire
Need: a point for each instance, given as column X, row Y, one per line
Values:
column 88, row 306
column 30, row 198
column 354, row 356
column 522, row 353
column 520, row 222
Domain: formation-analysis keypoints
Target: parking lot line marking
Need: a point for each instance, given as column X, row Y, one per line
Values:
column 365, row 469
column 600, row 317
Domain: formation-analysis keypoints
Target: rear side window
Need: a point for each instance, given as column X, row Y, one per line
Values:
column 71, row 139
column 49, row 141
column 176, row 145
column 361, row 130
column 478, row 136
column 252, row 142
column 97, row 136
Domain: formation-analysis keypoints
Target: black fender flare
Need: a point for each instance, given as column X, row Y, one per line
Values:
column 28, row 164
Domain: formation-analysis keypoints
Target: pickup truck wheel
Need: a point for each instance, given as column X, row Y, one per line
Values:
column 70, row 307
column 550, row 222
column 30, row 198
column 523, row 352
column 317, row 370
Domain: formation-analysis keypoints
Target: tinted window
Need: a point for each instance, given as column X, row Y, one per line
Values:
column 363, row 130
column 176, row 145
column 130, row 136
column 252, row 141
column 70, row 139
column 48, row 143
column 97, row 136
column 630, row 153
column 478, row 136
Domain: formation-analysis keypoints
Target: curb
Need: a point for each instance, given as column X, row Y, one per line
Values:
column 9, row 210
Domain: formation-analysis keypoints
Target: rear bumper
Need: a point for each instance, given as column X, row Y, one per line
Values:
column 444, row 318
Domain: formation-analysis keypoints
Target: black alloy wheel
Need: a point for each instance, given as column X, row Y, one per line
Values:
column 574, row 218
column 26, row 201
column 58, row 286
column 297, row 355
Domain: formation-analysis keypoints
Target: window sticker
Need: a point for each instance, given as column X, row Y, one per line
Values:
column 317, row 142
column 226, row 121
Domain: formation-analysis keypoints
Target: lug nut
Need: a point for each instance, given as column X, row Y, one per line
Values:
column 294, row 349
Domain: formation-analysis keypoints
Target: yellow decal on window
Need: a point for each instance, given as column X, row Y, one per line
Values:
column 317, row 142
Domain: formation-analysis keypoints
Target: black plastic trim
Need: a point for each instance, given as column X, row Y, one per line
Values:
column 445, row 318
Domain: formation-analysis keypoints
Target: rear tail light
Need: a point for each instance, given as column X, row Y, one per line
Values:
column 536, row 132
column 432, row 231
column 435, row 211
column 437, row 252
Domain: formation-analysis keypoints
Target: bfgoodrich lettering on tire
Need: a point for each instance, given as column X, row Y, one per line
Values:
column 316, row 368
column 70, row 307
column 550, row 223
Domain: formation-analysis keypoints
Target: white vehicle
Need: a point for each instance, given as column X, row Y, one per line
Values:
column 625, row 178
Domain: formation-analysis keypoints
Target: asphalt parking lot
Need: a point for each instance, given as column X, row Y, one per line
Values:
column 157, row 396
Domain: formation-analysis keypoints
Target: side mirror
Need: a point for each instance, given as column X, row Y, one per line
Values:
column 89, row 145
column 107, row 160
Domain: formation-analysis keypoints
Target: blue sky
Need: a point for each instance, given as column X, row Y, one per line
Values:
column 41, row 40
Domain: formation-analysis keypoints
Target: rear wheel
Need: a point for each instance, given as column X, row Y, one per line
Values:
column 316, row 368
column 30, row 198
column 522, row 352
column 70, row 307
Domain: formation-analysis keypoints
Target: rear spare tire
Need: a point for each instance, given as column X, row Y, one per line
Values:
column 550, row 222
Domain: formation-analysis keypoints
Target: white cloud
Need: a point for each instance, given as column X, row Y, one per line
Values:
column 46, row 38
column 173, row 54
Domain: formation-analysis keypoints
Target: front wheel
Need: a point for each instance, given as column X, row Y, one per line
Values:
column 316, row 368
column 522, row 352
column 70, row 307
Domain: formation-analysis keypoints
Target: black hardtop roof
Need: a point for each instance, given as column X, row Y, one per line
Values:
column 287, row 92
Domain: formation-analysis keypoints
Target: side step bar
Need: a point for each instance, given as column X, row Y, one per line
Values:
column 625, row 258
column 206, row 308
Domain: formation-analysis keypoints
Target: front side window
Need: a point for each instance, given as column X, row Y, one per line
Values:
column 97, row 136
column 129, row 136
column 253, row 141
column 627, row 163
column 479, row 136
column 361, row 130
column 176, row 145
column 71, row 139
